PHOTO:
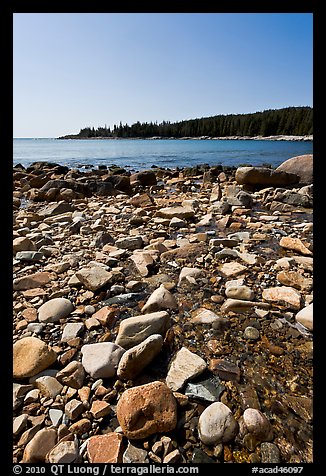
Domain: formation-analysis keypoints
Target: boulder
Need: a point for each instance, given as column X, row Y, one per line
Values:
column 144, row 178
column 301, row 165
column 264, row 176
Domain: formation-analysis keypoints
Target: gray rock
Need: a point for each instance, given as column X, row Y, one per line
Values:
column 33, row 256
column 138, row 357
column 55, row 309
column 184, row 366
column 208, row 390
column 134, row 330
column 55, row 416
column 217, row 424
column 101, row 360
column 71, row 330
column 251, row 333
column 270, row 453
column 134, row 455
column 130, row 243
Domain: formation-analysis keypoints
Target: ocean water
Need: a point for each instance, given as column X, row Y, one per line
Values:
column 138, row 154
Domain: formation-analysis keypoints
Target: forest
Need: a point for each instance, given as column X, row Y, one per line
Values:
column 296, row 121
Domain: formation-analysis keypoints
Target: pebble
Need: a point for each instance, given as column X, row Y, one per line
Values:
column 71, row 330
column 257, row 424
column 133, row 454
column 251, row 333
column 160, row 299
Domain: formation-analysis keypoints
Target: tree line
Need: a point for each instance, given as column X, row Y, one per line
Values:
column 297, row 121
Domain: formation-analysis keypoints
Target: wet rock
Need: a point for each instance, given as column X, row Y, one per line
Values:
column 30, row 356
column 134, row 360
column 208, row 390
column 283, row 295
column 134, row 330
column 204, row 316
column 225, row 369
column 160, row 299
column 101, row 360
column 147, row 409
column 251, row 333
column 270, row 453
column 184, row 366
column 257, row 424
column 106, row 448
column 305, row 317
column 55, row 309
column 217, row 424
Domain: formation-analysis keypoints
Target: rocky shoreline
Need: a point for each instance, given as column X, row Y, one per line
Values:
column 163, row 316
column 277, row 138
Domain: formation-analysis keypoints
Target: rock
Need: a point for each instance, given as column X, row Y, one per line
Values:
column 102, row 238
column 257, row 424
column 204, row 316
column 55, row 309
column 71, row 330
column 238, row 305
column 147, row 409
column 184, row 366
column 101, row 360
column 264, row 176
column 283, row 295
column 80, row 426
column 130, row 243
column 208, row 390
column 48, row 386
column 23, row 244
column 189, row 272
column 143, row 261
column 73, row 409
column 100, row 409
column 199, row 456
column 225, row 369
column 32, row 256
column 30, row 356
column 55, row 416
column 138, row 357
column 160, row 299
column 231, row 269
column 270, row 453
column 239, row 292
column 36, row 280
column 95, row 278
column 19, row 424
column 295, row 244
column 295, row 280
column 142, row 200
column 134, row 330
column 251, row 333
column 305, row 317
column 301, row 165
column 43, row 441
column 144, row 178
column 107, row 448
column 134, row 455
column 56, row 208
column 178, row 212
column 172, row 457
column 63, row 452
column 217, row 424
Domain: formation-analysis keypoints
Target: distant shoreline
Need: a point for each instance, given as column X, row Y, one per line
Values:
column 270, row 138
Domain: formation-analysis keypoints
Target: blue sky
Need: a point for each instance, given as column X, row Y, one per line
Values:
column 73, row 70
